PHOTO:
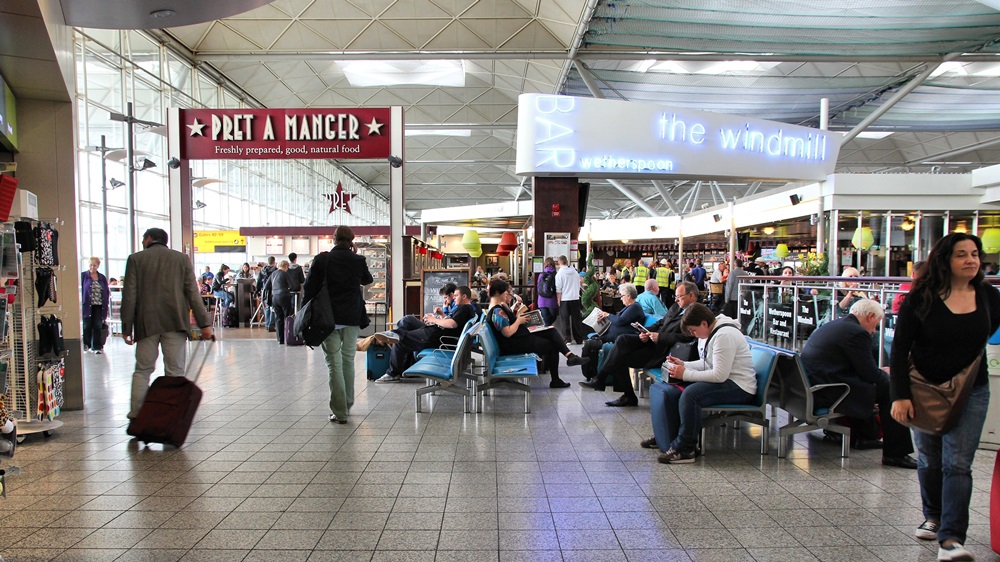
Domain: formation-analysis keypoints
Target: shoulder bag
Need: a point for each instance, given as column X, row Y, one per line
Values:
column 936, row 407
column 314, row 322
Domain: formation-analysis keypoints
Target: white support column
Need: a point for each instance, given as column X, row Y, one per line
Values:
column 732, row 233
column 824, row 124
column 397, row 217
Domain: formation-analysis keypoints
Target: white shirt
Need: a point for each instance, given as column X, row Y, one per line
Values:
column 568, row 283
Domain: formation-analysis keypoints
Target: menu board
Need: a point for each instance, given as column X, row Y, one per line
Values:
column 431, row 282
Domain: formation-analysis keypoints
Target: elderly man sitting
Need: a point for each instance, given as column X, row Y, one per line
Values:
column 840, row 351
column 649, row 299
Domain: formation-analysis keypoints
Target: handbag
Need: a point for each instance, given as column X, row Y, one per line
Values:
column 314, row 322
column 936, row 407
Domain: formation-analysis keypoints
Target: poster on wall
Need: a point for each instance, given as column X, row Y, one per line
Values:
column 300, row 245
column 324, row 243
column 274, row 245
column 557, row 244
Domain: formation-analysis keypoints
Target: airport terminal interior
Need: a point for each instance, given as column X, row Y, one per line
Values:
column 454, row 136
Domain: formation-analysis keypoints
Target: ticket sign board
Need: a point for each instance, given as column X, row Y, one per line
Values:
column 212, row 241
column 267, row 134
column 600, row 138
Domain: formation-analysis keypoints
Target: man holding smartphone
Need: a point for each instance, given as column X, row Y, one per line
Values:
column 646, row 349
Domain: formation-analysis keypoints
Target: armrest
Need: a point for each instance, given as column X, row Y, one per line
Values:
column 847, row 390
column 453, row 339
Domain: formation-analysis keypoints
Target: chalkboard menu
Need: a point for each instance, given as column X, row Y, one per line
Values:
column 431, row 282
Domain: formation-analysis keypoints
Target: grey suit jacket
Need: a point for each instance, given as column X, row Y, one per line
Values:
column 159, row 292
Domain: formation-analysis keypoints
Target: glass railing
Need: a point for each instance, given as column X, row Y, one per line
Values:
column 784, row 311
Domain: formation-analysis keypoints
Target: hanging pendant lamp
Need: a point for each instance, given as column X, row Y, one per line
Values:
column 991, row 240
column 863, row 238
column 508, row 241
column 781, row 250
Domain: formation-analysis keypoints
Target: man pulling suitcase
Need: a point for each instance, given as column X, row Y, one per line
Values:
column 159, row 295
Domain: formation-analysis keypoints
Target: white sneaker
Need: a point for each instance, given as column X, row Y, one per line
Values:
column 927, row 531
column 955, row 552
column 387, row 378
column 386, row 338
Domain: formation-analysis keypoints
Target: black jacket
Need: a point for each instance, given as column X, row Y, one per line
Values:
column 345, row 272
column 841, row 351
column 669, row 328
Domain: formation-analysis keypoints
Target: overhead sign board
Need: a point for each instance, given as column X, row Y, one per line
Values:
column 266, row 134
column 599, row 138
column 221, row 241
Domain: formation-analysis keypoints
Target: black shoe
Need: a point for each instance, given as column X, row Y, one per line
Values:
column 592, row 384
column 648, row 443
column 573, row 360
column 624, row 402
column 905, row 461
column 863, row 444
column 559, row 383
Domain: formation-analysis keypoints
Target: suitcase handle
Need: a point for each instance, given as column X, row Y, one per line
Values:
column 194, row 356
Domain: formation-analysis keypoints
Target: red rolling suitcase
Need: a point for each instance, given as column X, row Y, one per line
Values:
column 171, row 402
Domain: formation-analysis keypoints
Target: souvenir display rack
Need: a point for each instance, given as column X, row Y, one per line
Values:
column 26, row 364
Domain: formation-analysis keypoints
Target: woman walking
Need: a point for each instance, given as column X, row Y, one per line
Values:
column 942, row 328
column 96, row 304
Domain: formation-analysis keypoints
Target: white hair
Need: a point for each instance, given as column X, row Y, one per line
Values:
column 628, row 289
column 864, row 307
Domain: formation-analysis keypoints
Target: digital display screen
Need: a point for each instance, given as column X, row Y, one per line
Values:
column 8, row 117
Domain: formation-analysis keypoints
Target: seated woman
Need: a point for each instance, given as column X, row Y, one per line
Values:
column 610, row 285
column 514, row 338
column 724, row 375
column 219, row 288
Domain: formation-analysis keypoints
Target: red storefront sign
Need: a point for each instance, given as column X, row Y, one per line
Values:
column 268, row 134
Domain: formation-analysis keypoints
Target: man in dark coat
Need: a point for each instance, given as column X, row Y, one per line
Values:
column 841, row 351
column 645, row 350
column 344, row 272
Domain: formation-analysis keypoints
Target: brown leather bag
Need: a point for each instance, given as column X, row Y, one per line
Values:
column 936, row 407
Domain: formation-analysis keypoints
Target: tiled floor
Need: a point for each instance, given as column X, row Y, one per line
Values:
column 265, row 476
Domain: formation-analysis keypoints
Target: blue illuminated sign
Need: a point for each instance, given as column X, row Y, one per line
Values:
column 586, row 137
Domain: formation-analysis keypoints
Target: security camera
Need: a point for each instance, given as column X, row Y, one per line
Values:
column 395, row 161
column 173, row 163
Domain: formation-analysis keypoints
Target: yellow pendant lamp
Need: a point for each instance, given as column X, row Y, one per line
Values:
column 991, row 240
column 781, row 250
column 475, row 253
column 863, row 238
column 470, row 241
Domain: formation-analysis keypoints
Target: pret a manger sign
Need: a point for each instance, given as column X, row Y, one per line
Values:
column 257, row 134
column 598, row 138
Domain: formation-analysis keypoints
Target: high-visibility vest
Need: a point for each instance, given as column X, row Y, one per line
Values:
column 641, row 274
column 663, row 277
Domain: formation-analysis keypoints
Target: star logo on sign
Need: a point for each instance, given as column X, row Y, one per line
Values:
column 374, row 128
column 196, row 128
column 340, row 199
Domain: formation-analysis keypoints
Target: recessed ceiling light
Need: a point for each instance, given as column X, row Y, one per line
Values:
column 162, row 14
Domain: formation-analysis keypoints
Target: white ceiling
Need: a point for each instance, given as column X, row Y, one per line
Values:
column 858, row 53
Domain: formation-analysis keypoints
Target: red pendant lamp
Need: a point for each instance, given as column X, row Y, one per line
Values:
column 508, row 242
column 502, row 253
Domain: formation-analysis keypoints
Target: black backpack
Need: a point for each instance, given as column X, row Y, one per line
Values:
column 547, row 286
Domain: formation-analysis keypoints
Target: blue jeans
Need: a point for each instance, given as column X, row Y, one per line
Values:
column 224, row 298
column 684, row 409
column 549, row 315
column 944, row 467
column 339, row 348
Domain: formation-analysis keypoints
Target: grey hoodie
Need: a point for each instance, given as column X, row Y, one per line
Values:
column 726, row 357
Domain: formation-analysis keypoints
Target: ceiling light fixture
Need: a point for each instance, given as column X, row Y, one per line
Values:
column 404, row 72
column 162, row 13
column 768, row 230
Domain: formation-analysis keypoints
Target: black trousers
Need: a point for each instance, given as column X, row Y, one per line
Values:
column 571, row 320
column 896, row 438
column 414, row 336
column 283, row 308
column 628, row 352
column 93, row 336
column 547, row 344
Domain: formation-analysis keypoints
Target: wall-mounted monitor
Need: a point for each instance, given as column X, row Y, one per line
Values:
column 8, row 118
